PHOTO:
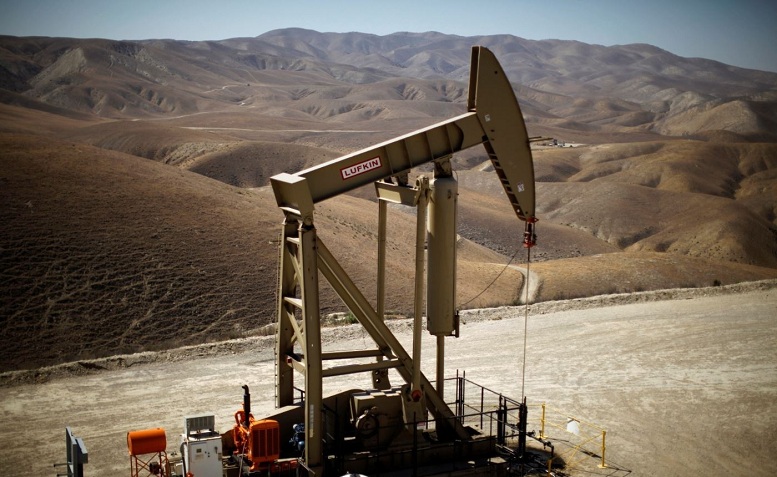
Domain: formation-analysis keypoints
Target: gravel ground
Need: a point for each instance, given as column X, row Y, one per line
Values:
column 683, row 381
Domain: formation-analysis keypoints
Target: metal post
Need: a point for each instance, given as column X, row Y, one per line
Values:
column 284, row 334
column 603, row 465
column 460, row 397
column 481, row 407
column 501, row 417
column 441, row 366
column 542, row 423
column 312, row 347
column 415, row 446
column 380, row 377
column 382, row 217
column 523, row 414
column 77, row 455
column 418, row 310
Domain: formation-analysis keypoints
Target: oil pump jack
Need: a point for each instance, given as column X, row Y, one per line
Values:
column 382, row 428
column 493, row 119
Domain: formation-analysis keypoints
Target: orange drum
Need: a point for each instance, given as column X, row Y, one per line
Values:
column 147, row 441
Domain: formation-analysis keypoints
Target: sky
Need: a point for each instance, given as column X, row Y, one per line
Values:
column 736, row 32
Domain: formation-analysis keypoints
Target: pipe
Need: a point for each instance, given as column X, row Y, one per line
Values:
column 183, row 457
column 441, row 251
column 441, row 366
column 246, row 406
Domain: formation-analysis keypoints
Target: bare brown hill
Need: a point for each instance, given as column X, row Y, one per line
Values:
column 689, row 198
column 114, row 240
column 122, row 253
column 104, row 252
column 566, row 85
column 98, row 256
column 251, row 164
column 629, row 272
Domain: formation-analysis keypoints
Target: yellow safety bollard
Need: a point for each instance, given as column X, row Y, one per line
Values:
column 542, row 422
column 603, row 465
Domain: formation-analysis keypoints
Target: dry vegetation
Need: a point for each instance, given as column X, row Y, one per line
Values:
column 134, row 178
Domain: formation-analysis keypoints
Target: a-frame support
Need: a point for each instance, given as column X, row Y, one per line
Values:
column 303, row 255
column 299, row 276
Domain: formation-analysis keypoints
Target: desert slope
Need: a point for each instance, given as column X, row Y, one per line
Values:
column 137, row 213
column 567, row 85
column 649, row 368
column 98, row 257
column 104, row 252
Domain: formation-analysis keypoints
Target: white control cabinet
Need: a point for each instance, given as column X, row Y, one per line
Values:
column 203, row 456
column 201, row 447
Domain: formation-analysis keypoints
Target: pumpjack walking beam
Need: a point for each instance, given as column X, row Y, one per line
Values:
column 493, row 119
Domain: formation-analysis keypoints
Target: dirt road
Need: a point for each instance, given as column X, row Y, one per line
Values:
column 685, row 383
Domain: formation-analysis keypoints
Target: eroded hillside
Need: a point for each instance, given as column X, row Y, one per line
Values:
column 105, row 253
column 134, row 177
column 565, row 85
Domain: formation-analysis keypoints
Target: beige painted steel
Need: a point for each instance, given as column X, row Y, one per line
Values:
column 394, row 157
column 383, row 337
column 396, row 194
column 493, row 119
column 381, row 279
column 441, row 256
column 501, row 118
column 380, row 377
column 299, row 271
column 418, row 299
column 287, row 332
